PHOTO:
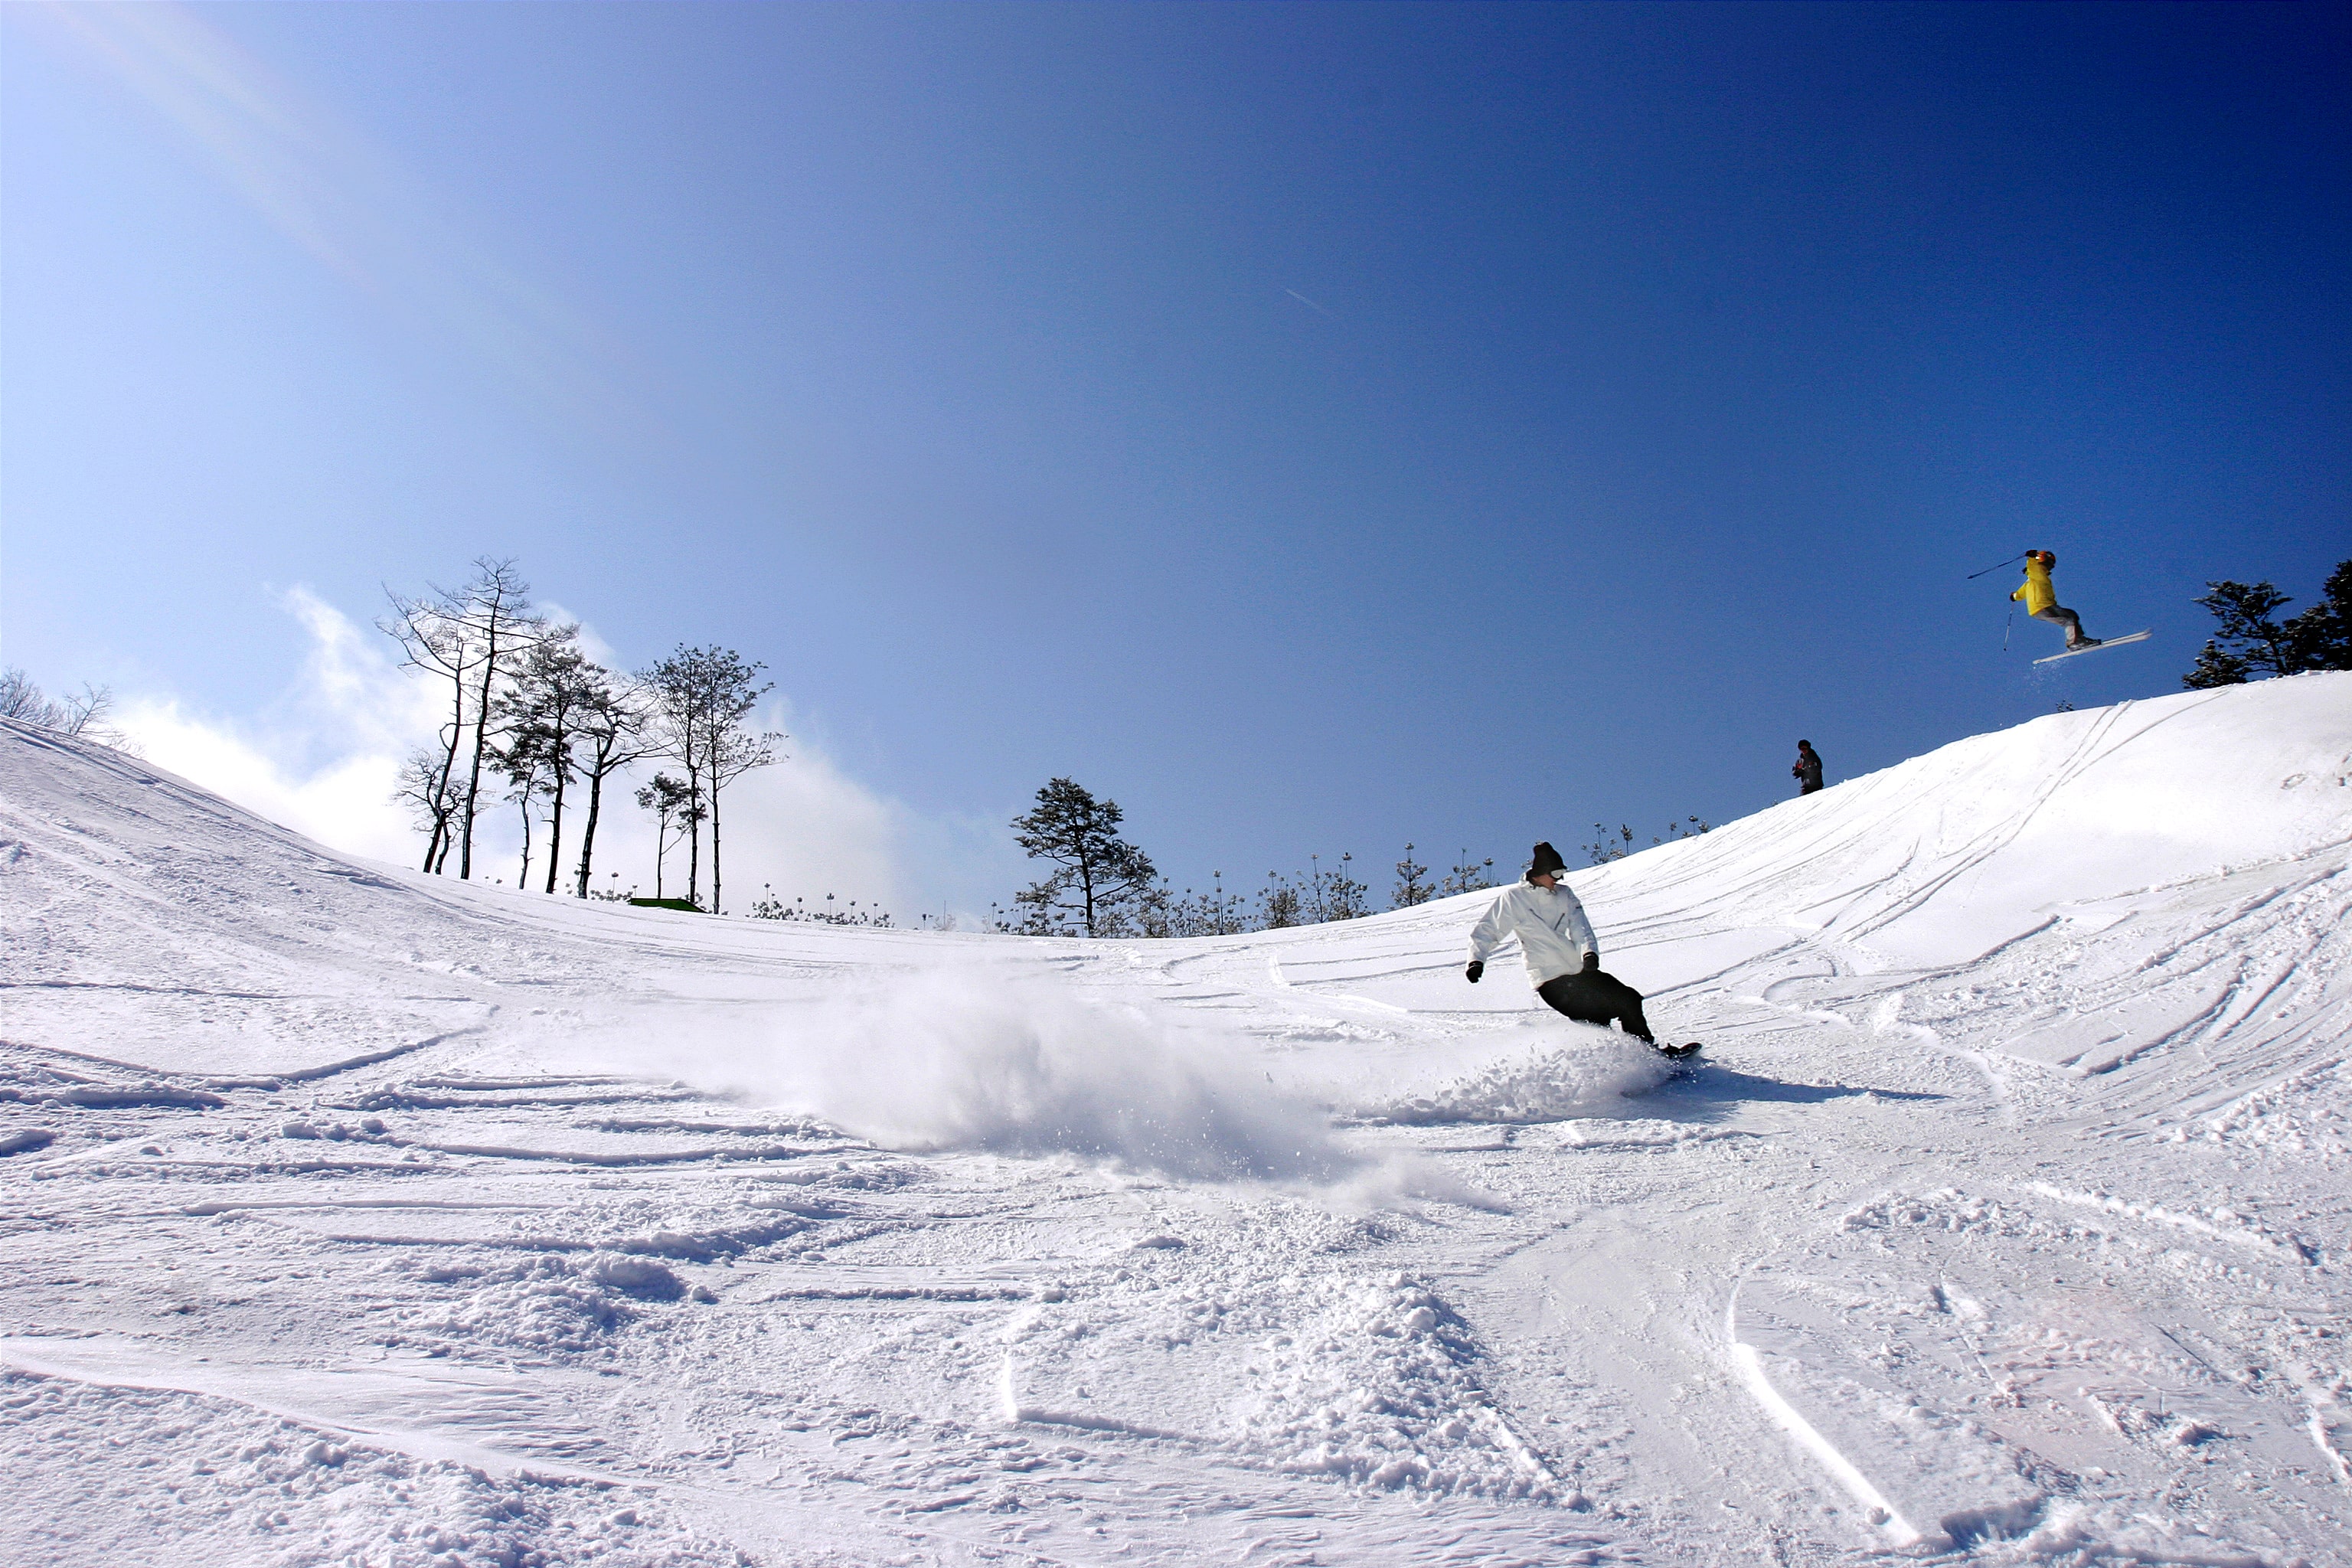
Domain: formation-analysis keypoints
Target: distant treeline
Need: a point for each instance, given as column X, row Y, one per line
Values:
column 1100, row 885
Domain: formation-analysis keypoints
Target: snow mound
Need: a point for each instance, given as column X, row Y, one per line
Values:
column 1278, row 1348
column 544, row 1301
column 1371, row 1381
column 1944, row 856
column 2017, row 1191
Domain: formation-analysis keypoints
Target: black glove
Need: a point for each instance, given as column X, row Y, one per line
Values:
column 1591, row 963
column 1477, row 967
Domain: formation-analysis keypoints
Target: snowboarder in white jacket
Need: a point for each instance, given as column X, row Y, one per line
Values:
column 1563, row 955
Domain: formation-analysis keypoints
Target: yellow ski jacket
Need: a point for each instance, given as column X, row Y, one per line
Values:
column 2036, row 591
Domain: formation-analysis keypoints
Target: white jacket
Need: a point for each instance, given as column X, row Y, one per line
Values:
column 1554, row 936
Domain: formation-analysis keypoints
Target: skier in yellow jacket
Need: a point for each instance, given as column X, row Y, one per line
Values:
column 2042, row 600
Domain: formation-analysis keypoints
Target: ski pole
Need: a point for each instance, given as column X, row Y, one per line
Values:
column 2006, row 625
column 1998, row 565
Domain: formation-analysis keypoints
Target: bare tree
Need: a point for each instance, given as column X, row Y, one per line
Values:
column 735, row 749
column 424, row 790
column 83, row 714
column 703, row 699
column 24, row 701
column 435, row 636
column 677, row 691
column 496, row 611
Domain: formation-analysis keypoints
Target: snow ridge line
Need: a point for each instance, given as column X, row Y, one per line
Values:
column 579, row 1157
column 2317, row 1429
column 1017, row 1413
column 1750, row 1362
column 2259, row 1241
column 429, row 1447
column 309, row 1075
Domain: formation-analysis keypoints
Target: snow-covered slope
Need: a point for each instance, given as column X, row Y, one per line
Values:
column 359, row 1216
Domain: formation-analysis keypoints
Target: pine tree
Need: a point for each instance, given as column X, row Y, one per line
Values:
column 1220, row 913
column 2249, row 642
column 1469, row 876
column 1605, row 847
column 612, row 736
column 672, row 802
column 1411, row 888
column 557, row 694
column 523, row 757
column 2323, row 634
column 1099, row 880
column 1333, row 894
column 1160, row 913
column 2252, row 643
column 1278, row 904
column 1609, row 847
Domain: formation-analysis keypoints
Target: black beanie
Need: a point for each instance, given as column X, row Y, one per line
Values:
column 1546, row 861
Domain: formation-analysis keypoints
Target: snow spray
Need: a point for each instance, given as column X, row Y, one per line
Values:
column 972, row 1057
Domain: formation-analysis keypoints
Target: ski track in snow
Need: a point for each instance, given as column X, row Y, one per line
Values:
column 359, row 1217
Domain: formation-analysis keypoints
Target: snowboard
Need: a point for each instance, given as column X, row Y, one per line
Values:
column 2106, row 642
column 1682, row 1061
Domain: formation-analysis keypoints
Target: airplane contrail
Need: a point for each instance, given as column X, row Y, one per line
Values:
column 1309, row 303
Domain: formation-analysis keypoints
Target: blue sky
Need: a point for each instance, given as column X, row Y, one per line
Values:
column 1318, row 427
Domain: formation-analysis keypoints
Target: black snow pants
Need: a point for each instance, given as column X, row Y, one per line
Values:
column 1594, row 997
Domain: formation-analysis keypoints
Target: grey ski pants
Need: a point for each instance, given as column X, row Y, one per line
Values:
column 2060, row 615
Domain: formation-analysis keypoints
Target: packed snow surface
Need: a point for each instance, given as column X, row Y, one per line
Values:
column 354, row 1215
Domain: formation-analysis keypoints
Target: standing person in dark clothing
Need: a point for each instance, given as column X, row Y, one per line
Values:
column 1563, row 959
column 1808, row 771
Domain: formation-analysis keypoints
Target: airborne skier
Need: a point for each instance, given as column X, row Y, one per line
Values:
column 1563, row 955
column 2042, row 600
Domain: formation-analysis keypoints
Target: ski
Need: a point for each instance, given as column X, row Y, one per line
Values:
column 2104, row 642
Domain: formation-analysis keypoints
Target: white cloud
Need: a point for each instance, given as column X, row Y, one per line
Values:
column 324, row 760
